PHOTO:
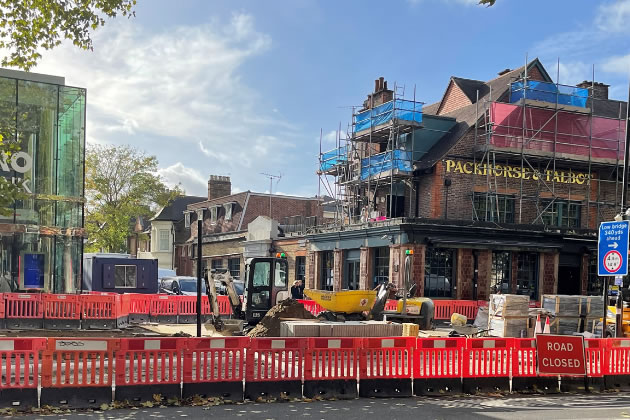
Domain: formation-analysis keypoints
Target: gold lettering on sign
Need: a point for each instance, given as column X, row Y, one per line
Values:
column 507, row 171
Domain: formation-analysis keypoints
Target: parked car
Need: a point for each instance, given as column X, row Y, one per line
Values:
column 187, row 286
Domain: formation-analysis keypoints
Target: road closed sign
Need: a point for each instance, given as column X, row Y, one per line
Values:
column 560, row 354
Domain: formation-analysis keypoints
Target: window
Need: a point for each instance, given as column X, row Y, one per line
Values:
column 125, row 276
column 194, row 251
column 234, row 265
column 561, row 213
column 300, row 268
column 187, row 219
column 261, row 273
column 494, row 208
column 213, row 214
column 217, row 264
column 501, row 272
column 381, row 265
column 280, row 274
column 438, row 272
column 595, row 286
column 228, row 211
column 527, row 275
column 164, row 240
column 327, row 270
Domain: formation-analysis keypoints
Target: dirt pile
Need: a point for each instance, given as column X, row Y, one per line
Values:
column 269, row 326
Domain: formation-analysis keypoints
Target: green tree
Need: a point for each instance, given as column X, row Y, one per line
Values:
column 121, row 184
column 487, row 2
column 26, row 28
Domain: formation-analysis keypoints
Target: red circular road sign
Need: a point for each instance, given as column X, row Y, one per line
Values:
column 613, row 261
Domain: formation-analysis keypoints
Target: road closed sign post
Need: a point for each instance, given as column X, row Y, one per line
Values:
column 612, row 249
column 560, row 354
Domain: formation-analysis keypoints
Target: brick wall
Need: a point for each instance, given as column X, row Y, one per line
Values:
column 338, row 259
column 310, row 270
column 453, row 99
column 292, row 248
column 484, row 272
column 366, row 268
column 281, row 207
column 417, row 266
column 464, row 279
column 549, row 273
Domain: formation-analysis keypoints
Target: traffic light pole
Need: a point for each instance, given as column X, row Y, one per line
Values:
column 624, row 208
column 199, row 227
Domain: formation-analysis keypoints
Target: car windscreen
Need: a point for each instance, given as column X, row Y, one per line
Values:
column 191, row 286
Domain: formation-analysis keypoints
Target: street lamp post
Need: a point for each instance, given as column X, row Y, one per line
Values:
column 199, row 233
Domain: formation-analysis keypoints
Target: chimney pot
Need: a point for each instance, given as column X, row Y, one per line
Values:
column 596, row 90
column 219, row 186
column 381, row 82
column 376, row 84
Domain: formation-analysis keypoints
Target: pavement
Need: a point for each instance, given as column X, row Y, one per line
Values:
column 564, row 406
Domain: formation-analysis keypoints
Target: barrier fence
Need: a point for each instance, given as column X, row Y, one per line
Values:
column 104, row 310
column 87, row 372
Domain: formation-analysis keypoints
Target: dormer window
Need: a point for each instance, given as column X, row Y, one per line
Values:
column 228, row 210
column 187, row 219
column 213, row 214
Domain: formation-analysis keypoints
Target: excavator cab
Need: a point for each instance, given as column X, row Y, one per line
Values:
column 266, row 285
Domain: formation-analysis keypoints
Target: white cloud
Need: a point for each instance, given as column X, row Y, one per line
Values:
column 192, row 181
column 613, row 16
column 617, row 64
column 572, row 73
column 179, row 94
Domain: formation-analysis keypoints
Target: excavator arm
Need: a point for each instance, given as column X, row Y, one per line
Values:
column 235, row 302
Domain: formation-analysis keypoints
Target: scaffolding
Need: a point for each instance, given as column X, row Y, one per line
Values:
column 375, row 152
column 550, row 154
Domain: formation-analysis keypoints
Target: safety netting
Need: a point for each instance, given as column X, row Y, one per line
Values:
column 564, row 132
column 383, row 162
column 333, row 158
column 400, row 109
column 548, row 92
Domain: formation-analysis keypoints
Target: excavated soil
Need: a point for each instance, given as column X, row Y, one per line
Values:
column 269, row 326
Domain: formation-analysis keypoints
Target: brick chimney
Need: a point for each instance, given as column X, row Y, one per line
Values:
column 600, row 90
column 219, row 186
column 380, row 95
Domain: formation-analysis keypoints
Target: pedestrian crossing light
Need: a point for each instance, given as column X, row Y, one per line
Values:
column 409, row 252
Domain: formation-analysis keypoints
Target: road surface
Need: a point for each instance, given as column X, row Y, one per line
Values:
column 566, row 406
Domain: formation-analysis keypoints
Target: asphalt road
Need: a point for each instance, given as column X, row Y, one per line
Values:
column 566, row 406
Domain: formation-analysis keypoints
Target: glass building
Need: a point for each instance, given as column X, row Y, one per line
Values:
column 41, row 240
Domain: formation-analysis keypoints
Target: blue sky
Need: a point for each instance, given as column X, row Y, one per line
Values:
column 243, row 87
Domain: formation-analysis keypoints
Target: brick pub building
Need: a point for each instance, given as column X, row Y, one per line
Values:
column 499, row 186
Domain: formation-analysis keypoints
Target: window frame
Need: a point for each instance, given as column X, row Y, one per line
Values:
column 237, row 270
column 167, row 239
column 557, row 213
column 381, row 270
column 445, row 263
column 499, row 270
column 532, row 265
column 300, row 268
column 327, row 270
column 483, row 213
column 126, row 266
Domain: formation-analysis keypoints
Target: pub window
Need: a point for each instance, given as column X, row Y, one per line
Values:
column 234, row 265
column 501, row 272
column 327, row 270
column 561, row 213
column 300, row 268
column 217, row 264
column 494, row 208
column 595, row 285
column 527, row 275
column 125, row 276
column 381, row 265
column 438, row 272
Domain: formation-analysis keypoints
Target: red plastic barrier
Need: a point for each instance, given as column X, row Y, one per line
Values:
column 23, row 305
column 468, row 308
column 215, row 367
column 391, row 305
column 187, row 308
column 386, row 358
column 438, row 358
column 164, row 308
column 594, row 353
column 77, row 372
column 524, row 357
column 312, row 306
column 61, row 306
column 224, row 305
column 617, row 360
column 331, row 358
column 443, row 309
column 138, row 306
column 487, row 357
column 98, row 306
column 19, row 359
column 148, row 366
column 275, row 359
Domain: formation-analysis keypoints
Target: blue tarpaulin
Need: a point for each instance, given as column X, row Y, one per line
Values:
column 333, row 158
column 549, row 92
column 382, row 162
column 400, row 109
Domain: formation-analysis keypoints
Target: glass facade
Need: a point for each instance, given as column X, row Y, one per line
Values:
column 47, row 120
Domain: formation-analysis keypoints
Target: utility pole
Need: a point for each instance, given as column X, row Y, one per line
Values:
column 271, row 178
column 199, row 234
column 624, row 209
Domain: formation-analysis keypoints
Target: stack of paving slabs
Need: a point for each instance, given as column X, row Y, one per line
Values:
column 508, row 315
column 573, row 314
column 410, row 330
